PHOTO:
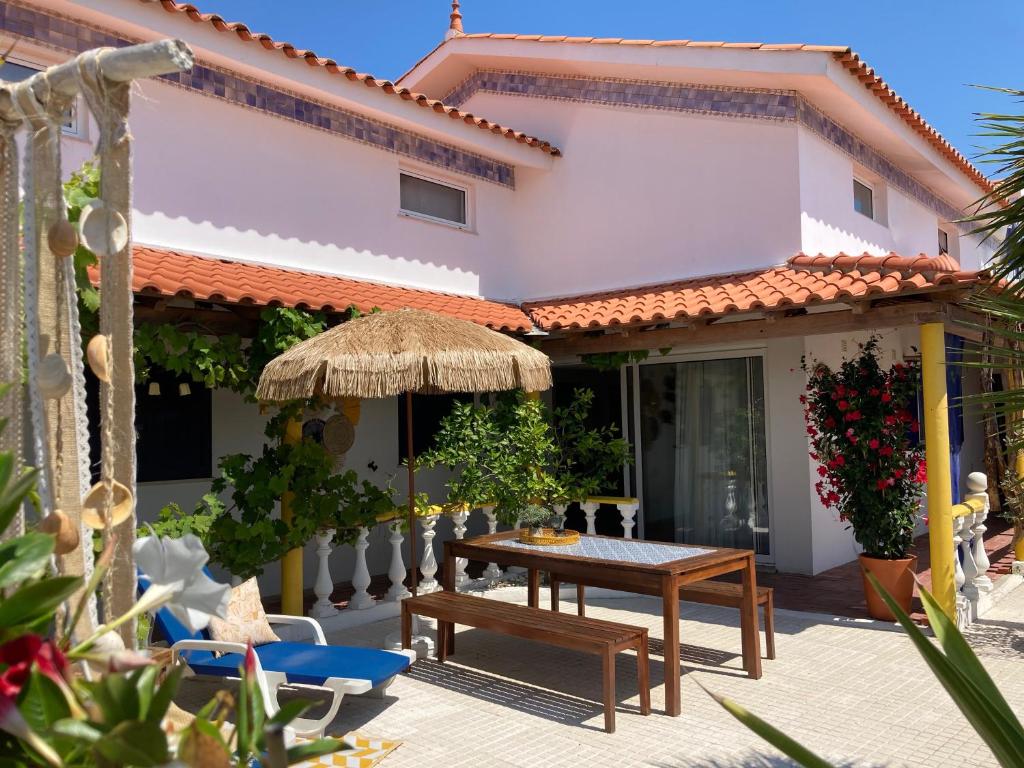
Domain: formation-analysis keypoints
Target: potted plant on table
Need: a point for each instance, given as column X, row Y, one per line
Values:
column 870, row 468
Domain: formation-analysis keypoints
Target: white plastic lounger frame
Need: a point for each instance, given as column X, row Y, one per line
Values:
column 270, row 683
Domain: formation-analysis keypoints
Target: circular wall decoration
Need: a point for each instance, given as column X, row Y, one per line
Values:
column 339, row 435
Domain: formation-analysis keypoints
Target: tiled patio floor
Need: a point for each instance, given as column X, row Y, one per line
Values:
column 854, row 690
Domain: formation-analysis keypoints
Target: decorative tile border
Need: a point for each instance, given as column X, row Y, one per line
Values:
column 73, row 36
column 701, row 99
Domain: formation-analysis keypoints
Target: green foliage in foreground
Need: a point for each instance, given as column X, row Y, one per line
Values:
column 956, row 667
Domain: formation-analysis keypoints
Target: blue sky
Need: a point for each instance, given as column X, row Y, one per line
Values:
column 928, row 51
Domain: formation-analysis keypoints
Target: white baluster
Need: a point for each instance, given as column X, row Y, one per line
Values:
column 960, row 525
column 396, row 571
column 977, row 484
column 492, row 572
column 558, row 519
column 459, row 521
column 361, row 599
column 590, row 514
column 324, row 586
column 428, row 565
column 628, row 512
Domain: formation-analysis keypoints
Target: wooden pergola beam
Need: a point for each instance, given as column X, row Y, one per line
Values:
column 630, row 339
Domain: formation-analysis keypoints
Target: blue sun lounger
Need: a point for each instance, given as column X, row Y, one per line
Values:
column 337, row 669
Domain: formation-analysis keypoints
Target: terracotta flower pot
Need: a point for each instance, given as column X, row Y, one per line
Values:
column 897, row 576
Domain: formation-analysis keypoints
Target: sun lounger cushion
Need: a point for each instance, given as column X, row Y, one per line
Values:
column 308, row 664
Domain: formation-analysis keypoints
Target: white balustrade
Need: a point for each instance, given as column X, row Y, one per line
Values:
column 558, row 519
column 628, row 512
column 361, row 599
column 428, row 564
column 324, row 585
column 590, row 515
column 959, row 526
column 459, row 518
column 977, row 485
column 492, row 572
column 396, row 571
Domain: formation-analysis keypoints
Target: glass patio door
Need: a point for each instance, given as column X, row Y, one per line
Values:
column 702, row 452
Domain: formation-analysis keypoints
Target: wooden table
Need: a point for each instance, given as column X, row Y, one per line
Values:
column 628, row 565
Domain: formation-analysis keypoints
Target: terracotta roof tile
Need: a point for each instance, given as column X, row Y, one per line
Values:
column 843, row 54
column 312, row 59
column 804, row 280
column 164, row 272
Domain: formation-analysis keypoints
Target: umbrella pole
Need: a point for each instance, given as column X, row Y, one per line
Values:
column 412, row 489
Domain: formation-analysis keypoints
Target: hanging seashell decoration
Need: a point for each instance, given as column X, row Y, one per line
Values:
column 62, row 238
column 53, row 377
column 104, row 230
column 98, row 354
column 59, row 525
column 121, row 505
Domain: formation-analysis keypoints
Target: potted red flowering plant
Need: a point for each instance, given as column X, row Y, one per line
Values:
column 860, row 425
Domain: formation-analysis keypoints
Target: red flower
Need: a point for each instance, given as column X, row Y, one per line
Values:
column 886, row 397
column 885, row 450
column 882, row 484
column 840, row 460
column 842, row 405
column 841, row 390
column 874, row 391
column 853, row 416
column 898, row 474
column 922, row 473
column 914, row 426
column 822, row 471
column 21, row 653
column 890, row 419
column 873, row 443
column 830, row 422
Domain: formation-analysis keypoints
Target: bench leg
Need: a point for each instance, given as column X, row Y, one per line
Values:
column 608, row 665
column 769, row 626
column 406, row 626
column 555, row 585
column 442, row 640
column 643, row 676
column 581, row 606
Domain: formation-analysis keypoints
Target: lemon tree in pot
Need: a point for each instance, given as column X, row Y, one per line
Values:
column 870, row 468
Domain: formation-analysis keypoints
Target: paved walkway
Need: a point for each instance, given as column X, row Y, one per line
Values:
column 854, row 690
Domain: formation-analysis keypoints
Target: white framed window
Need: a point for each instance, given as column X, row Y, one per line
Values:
column 14, row 71
column 433, row 199
column 863, row 198
column 943, row 242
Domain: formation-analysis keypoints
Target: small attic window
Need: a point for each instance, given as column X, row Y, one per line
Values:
column 863, row 199
column 943, row 242
column 433, row 200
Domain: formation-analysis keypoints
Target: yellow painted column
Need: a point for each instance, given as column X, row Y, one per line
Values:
column 940, row 484
column 291, row 563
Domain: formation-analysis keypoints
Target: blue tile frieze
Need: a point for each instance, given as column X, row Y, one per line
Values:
column 701, row 99
column 73, row 36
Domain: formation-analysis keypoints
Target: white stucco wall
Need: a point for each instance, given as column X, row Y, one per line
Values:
column 643, row 196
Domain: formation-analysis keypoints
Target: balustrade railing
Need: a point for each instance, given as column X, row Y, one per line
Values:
column 971, row 564
column 427, row 520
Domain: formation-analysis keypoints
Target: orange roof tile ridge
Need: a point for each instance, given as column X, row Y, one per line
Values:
column 243, row 32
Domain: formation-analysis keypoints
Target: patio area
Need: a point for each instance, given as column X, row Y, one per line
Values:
column 855, row 690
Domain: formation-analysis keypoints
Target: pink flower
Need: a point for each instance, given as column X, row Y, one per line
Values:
column 250, row 661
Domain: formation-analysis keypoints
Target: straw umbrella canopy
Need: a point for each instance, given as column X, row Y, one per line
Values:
column 410, row 351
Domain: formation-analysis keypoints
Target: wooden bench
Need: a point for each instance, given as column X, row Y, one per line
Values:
column 722, row 593
column 595, row 636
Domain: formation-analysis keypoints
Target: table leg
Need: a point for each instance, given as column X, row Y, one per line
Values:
column 748, row 622
column 555, row 585
column 406, row 626
column 448, row 570
column 581, row 604
column 533, row 588
column 670, row 613
column 442, row 640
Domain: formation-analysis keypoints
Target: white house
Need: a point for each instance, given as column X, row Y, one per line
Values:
column 620, row 196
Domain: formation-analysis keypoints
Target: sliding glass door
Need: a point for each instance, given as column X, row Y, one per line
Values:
column 702, row 452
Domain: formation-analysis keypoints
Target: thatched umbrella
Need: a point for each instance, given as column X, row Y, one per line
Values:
column 384, row 354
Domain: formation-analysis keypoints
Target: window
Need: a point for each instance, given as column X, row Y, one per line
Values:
column 173, row 424
column 943, row 242
column 863, row 199
column 433, row 200
column 427, row 413
column 14, row 73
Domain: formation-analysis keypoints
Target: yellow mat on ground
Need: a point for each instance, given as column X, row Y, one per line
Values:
column 364, row 752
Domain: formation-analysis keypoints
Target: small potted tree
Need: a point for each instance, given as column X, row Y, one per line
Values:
column 870, row 468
